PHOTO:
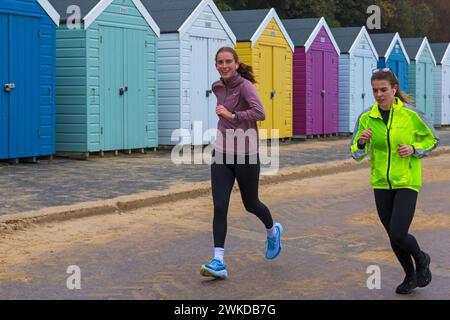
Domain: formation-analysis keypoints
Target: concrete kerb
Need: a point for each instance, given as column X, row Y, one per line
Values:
column 123, row 204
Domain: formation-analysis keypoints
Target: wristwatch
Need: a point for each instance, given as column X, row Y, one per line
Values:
column 233, row 115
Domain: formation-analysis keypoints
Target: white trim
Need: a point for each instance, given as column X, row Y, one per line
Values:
column 313, row 35
column 195, row 13
column 53, row 14
column 103, row 4
column 272, row 14
column 147, row 17
column 444, row 57
column 363, row 32
column 391, row 47
column 422, row 47
column 95, row 12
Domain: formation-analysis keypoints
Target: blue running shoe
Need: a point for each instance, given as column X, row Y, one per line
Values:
column 214, row 269
column 273, row 244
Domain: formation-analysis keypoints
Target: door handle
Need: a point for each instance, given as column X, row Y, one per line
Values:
column 9, row 87
column 272, row 94
column 208, row 93
column 363, row 95
column 322, row 93
column 122, row 90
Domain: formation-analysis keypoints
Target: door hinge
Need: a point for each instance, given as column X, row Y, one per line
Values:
column 101, row 130
column 101, row 39
column 146, row 128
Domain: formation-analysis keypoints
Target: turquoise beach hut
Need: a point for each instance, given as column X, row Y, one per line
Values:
column 106, row 88
column 421, row 75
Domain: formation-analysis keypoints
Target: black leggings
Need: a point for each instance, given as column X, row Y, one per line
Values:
column 223, row 175
column 396, row 211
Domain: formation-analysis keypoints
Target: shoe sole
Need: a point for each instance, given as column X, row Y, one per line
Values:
column 204, row 271
column 408, row 292
column 281, row 246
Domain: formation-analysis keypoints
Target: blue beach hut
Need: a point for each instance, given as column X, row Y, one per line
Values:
column 392, row 54
column 27, row 79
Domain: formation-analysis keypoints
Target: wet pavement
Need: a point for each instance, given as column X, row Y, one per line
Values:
column 62, row 181
column 332, row 235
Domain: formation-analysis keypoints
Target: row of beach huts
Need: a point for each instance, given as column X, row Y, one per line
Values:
column 133, row 72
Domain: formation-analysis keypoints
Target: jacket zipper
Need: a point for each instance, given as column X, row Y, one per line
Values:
column 389, row 148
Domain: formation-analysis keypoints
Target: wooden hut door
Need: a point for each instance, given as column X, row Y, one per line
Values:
column 4, row 78
column 358, row 96
column 135, row 115
column 330, row 96
column 279, row 114
column 19, row 111
column 200, row 89
column 428, row 92
column 122, row 91
column 369, row 65
column 445, row 95
column 213, row 75
column 318, row 92
column 420, row 87
column 394, row 65
column 266, row 89
column 111, row 82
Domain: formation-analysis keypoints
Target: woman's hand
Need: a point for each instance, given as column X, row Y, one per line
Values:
column 221, row 111
column 405, row 151
column 365, row 136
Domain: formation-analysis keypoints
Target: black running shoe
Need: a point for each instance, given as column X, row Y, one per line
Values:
column 408, row 285
column 423, row 271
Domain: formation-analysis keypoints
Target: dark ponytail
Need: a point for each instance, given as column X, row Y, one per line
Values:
column 244, row 70
column 389, row 76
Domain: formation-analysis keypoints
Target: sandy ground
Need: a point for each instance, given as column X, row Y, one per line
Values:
column 332, row 235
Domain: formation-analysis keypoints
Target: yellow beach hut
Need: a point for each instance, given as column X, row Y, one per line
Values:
column 263, row 43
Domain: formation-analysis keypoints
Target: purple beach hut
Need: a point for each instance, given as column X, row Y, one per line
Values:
column 315, row 77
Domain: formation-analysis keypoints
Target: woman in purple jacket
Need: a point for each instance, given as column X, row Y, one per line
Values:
column 235, row 156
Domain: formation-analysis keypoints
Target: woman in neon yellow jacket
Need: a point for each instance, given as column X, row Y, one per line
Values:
column 396, row 136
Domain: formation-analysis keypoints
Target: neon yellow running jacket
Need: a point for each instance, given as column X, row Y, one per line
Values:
column 406, row 125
